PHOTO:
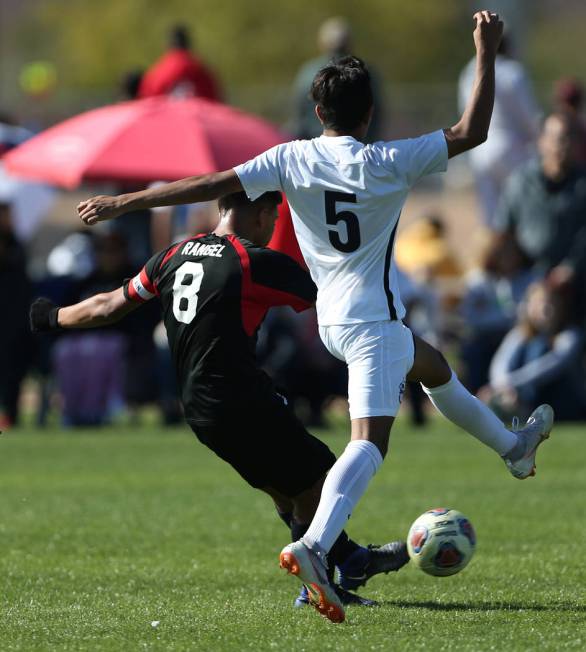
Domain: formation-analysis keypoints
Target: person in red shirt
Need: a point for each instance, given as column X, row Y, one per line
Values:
column 179, row 72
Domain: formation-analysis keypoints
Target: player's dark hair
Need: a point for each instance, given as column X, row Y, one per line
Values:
column 343, row 92
column 179, row 37
column 240, row 200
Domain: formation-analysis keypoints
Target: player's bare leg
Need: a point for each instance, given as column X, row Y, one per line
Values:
column 449, row 396
column 376, row 430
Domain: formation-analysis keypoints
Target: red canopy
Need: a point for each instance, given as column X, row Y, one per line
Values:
column 157, row 138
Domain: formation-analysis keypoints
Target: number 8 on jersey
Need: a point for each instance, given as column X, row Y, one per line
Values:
column 187, row 284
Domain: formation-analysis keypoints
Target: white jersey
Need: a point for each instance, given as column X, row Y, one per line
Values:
column 346, row 199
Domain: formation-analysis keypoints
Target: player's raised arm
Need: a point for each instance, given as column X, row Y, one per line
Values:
column 99, row 310
column 185, row 191
column 472, row 129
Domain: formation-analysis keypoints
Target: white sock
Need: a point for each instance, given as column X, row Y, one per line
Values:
column 343, row 488
column 456, row 403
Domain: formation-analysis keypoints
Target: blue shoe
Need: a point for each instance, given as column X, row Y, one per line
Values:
column 346, row 598
column 366, row 562
column 302, row 599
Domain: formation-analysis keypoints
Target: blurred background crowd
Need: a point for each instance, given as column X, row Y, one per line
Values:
column 492, row 258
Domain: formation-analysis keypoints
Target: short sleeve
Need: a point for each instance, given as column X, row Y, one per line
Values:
column 280, row 281
column 262, row 173
column 414, row 158
column 142, row 287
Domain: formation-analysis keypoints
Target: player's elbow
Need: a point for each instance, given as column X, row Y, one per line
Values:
column 473, row 137
column 478, row 137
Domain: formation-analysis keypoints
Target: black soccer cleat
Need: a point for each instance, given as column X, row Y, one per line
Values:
column 364, row 563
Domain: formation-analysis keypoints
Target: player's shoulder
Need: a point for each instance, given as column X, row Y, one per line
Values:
column 392, row 151
column 267, row 258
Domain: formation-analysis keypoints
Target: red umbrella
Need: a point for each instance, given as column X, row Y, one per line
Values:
column 143, row 140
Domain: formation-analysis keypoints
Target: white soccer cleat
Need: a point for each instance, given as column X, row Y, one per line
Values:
column 297, row 559
column 536, row 430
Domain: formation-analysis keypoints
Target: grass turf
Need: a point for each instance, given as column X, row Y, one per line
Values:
column 104, row 532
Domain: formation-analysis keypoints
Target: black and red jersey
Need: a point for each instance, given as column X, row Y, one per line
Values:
column 215, row 292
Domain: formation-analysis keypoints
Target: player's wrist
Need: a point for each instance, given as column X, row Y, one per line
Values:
column 54, row 324
column 126, row 203
column 486, row 51
column 44, row 316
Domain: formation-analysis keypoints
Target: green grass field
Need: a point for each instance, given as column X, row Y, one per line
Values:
column 103, row 532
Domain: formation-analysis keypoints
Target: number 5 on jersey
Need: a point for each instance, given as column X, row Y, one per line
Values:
column 352, row 241
column 187, row 284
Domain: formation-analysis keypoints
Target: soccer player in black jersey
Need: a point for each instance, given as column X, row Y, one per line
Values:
column 215, row 290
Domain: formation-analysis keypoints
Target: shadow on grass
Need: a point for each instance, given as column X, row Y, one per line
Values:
column 483, row 606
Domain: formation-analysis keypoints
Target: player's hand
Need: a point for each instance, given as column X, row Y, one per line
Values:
column 100, row 208
column 488, row 32
column 43, row 316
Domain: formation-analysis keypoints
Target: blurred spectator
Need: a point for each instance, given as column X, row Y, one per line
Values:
column 97, row 373
column 513, row 128
column 334, row 40
column 490, row 305
column 11, row 133
column 569, row 98
column 424, row 253
column 422, row 304
column 30, row 203
column 179, row 72
column 15, row 352
column 541, row 359
column 544, row 205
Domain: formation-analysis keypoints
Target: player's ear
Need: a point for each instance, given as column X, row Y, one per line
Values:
column 319, row 114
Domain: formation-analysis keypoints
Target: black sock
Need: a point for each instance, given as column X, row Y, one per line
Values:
column 343, row 547
column 298, row 530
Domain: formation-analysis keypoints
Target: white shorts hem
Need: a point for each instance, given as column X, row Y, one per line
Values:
column 382, row 412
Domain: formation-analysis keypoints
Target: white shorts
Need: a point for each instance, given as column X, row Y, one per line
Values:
column 379, row 356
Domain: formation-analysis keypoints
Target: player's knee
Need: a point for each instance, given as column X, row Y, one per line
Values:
column 430, row 368
column 442, row 371
column 443, row 366
column 305, row 504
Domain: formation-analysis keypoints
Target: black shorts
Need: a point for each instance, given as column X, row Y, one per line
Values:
column 268, row 446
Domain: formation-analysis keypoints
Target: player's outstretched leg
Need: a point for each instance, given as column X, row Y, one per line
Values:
column 453, row 400
column 345, row 484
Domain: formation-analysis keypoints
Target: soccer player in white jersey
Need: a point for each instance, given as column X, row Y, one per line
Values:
column 345, row 199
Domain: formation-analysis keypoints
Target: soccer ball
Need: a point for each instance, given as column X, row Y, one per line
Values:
column 441, row 542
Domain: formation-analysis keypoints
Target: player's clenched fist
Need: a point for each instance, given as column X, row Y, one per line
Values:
column 43, row 316
column 488, row 32
column 98, row 209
